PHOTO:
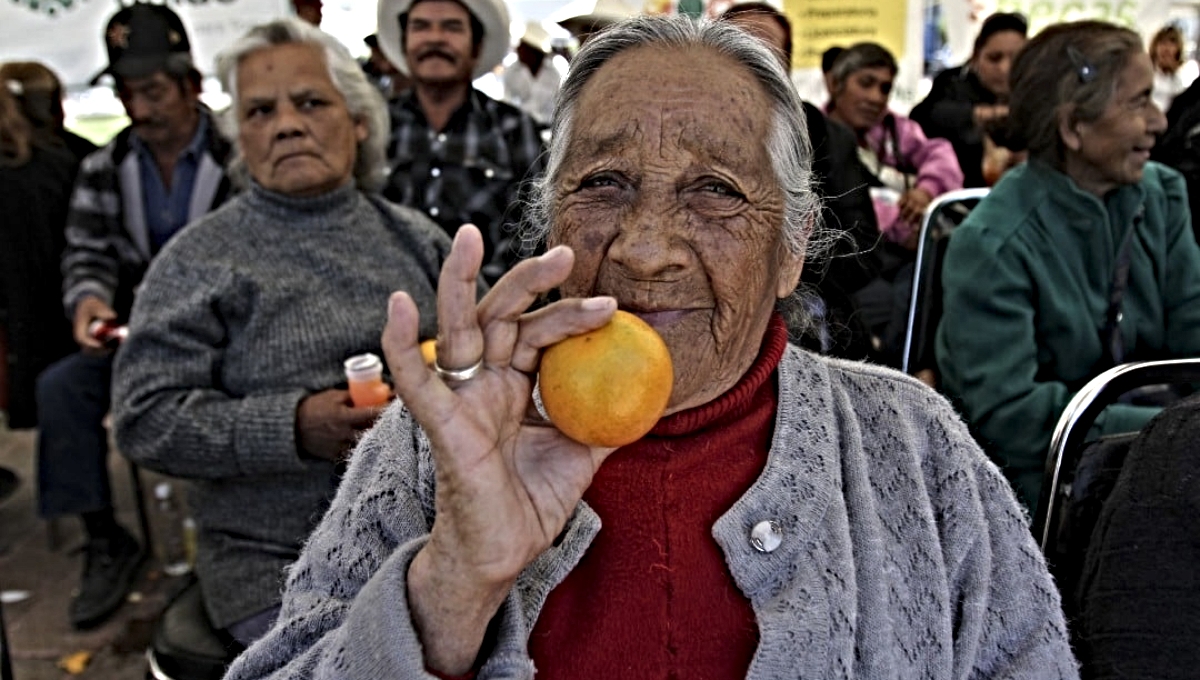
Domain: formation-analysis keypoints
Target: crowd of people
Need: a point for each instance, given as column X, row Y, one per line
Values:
column 801, row 508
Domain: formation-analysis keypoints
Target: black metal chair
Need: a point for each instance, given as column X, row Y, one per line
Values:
column 1071, row 432
column 944, row 214
column 6, row 671
column 185, row 644
column 1081, row 471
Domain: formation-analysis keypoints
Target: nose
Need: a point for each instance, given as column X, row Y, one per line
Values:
column 651, row 240
column 288, row 122
column 136, row 107
column 1157, row 122
column 1005, row 67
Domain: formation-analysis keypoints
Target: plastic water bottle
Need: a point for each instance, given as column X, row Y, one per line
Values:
column 174, row 536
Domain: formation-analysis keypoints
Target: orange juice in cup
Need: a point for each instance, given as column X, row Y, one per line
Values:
column 364, row 374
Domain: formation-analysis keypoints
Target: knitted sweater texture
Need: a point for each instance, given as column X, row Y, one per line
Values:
column 904, row 552
column 240, row 317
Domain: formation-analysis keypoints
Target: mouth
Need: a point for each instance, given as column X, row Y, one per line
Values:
column 436, row 55
column 295, row 155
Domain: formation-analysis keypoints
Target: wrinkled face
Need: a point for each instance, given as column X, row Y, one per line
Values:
column 994, row 60
column 437, row 42
column 861, row 101
column 1113, row 150
column 296, row 134
column 670, row 203
column 161, row 110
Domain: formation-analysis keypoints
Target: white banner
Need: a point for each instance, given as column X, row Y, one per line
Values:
column 964, row 17
column 67, row 35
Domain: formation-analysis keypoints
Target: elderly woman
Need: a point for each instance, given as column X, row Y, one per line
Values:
column 965, row 102
column 790, row 516
column 232, row 373
column 1080, row 259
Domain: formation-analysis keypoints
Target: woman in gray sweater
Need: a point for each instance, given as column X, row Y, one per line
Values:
column 790, row 516
column 232, row 375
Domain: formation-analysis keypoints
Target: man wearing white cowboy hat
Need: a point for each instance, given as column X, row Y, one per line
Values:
column 455, row 153
column 533, row 79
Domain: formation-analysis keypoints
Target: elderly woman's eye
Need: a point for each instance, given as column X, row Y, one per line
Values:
column 600, row 180
column 257, row 111
column 311, row 103
column 723, row 189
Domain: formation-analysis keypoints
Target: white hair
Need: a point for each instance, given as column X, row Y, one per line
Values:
column 787, row 144
column 364, row 102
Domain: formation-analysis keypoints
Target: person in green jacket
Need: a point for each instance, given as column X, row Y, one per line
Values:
column 1035, row 301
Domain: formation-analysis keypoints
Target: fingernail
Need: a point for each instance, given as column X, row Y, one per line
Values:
column 556, row 251
column 595, row 304
column 394, row 301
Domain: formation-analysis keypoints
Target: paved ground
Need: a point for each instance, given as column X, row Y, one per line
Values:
column 46, row 570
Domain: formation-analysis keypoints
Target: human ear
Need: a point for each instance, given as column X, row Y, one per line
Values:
column 790, row 265
column 1068, row 130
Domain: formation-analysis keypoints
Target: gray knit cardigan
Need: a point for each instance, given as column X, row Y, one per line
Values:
column 904, row 553
column 242, row 315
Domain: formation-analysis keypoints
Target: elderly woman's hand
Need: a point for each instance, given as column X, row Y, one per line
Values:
column 328, row 424
column 507, row 481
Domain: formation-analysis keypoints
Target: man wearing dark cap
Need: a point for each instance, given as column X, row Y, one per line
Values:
column 455, row 153
column 158, row 174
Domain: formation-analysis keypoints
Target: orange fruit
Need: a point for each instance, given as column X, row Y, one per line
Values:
column 607, row 387
column 429, row 351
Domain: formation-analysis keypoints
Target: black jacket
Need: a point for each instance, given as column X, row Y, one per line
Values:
column 949, row 112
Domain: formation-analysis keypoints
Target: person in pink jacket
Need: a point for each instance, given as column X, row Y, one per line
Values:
column 909, row 169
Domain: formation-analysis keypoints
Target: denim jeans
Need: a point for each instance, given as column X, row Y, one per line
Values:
column 73, row 397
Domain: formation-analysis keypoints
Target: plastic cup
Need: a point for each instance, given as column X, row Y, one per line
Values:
column 364, row 374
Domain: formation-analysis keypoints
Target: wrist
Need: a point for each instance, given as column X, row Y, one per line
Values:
column 450, row 612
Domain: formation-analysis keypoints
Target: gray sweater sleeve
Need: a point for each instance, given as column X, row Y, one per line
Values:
column 1008, row 622
column 170, row 413
column 345, row 611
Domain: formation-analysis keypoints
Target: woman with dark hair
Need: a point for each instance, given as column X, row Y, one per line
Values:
column 1079, row 259
column 965, row 102
column 38, row 164
column 905, row 172
column 909, row 169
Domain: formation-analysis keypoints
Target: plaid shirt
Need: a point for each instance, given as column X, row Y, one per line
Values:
column 108, row 238
column 472, row 171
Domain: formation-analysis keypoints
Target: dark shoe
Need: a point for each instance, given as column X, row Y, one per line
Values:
column 8, row 483
column 109, row 571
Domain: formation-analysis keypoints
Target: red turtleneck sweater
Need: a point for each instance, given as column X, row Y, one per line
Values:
column 653, row 597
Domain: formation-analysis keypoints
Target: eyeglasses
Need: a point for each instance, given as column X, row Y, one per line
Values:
column 1083, row 67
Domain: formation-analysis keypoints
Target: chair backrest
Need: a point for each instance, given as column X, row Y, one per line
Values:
column 1071, row 433
column 944, row 214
